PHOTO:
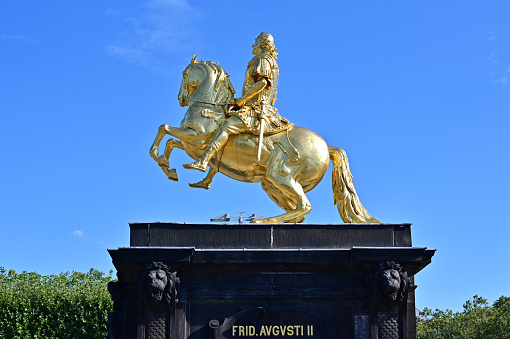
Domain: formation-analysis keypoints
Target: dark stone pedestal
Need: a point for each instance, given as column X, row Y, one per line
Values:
column 274, row 281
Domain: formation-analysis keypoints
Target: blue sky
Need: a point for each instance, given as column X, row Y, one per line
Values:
column 416, row 92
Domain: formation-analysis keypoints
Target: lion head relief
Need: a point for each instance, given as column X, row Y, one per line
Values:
column 157, row 285
column 391, row 284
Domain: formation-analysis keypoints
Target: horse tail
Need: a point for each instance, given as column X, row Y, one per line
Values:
column 350, row 208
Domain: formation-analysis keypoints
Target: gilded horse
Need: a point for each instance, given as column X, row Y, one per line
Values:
column 292, row 162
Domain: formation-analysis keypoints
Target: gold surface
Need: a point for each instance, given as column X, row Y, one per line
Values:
column 223, row 134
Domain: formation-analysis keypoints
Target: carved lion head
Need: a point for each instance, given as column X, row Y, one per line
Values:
column 392, row 283
column 156, row 284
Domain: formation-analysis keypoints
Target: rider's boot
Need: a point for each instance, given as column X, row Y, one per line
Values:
column 201, row 163
column 220, row 138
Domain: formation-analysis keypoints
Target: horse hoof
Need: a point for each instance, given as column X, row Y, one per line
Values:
column 257, row 221
column 172, row 174
column 297, row 220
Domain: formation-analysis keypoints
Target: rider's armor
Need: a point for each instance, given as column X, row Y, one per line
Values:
column 262, row 65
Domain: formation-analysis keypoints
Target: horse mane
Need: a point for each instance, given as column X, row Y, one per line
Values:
column 223, row 88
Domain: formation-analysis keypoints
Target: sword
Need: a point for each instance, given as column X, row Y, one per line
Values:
column 261, row 129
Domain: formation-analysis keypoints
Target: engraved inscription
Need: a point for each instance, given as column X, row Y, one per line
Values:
column 273, row 330
column 272, row 322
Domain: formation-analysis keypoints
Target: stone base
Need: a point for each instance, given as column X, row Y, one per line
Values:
column 300, row 281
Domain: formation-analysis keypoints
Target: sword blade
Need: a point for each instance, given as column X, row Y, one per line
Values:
column 261, row 135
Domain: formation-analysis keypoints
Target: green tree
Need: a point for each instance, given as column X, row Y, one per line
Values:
column 67, row 305
column 478, row 320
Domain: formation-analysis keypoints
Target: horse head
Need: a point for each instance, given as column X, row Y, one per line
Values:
column 205, row 82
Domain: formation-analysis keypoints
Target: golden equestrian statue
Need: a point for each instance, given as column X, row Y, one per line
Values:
column 247, row 140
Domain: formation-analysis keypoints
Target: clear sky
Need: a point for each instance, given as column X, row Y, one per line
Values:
column 416, row 92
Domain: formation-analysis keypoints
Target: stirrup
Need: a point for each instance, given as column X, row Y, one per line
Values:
column 195, row 166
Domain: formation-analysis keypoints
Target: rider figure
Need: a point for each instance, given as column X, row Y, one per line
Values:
column 255, row 105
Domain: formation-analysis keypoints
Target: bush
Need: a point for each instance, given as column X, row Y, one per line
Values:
column 68, row 305
column 478, row 320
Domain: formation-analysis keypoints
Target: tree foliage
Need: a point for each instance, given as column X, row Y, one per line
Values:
column 67, row 305
column 478, row 320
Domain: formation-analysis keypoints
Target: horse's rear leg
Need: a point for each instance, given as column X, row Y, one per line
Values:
column 289, row 195
column 282, row 201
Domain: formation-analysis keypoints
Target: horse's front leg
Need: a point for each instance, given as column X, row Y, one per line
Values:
column 187, row 135
column 154, row 151
column 171, row 173
column 163, row 160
